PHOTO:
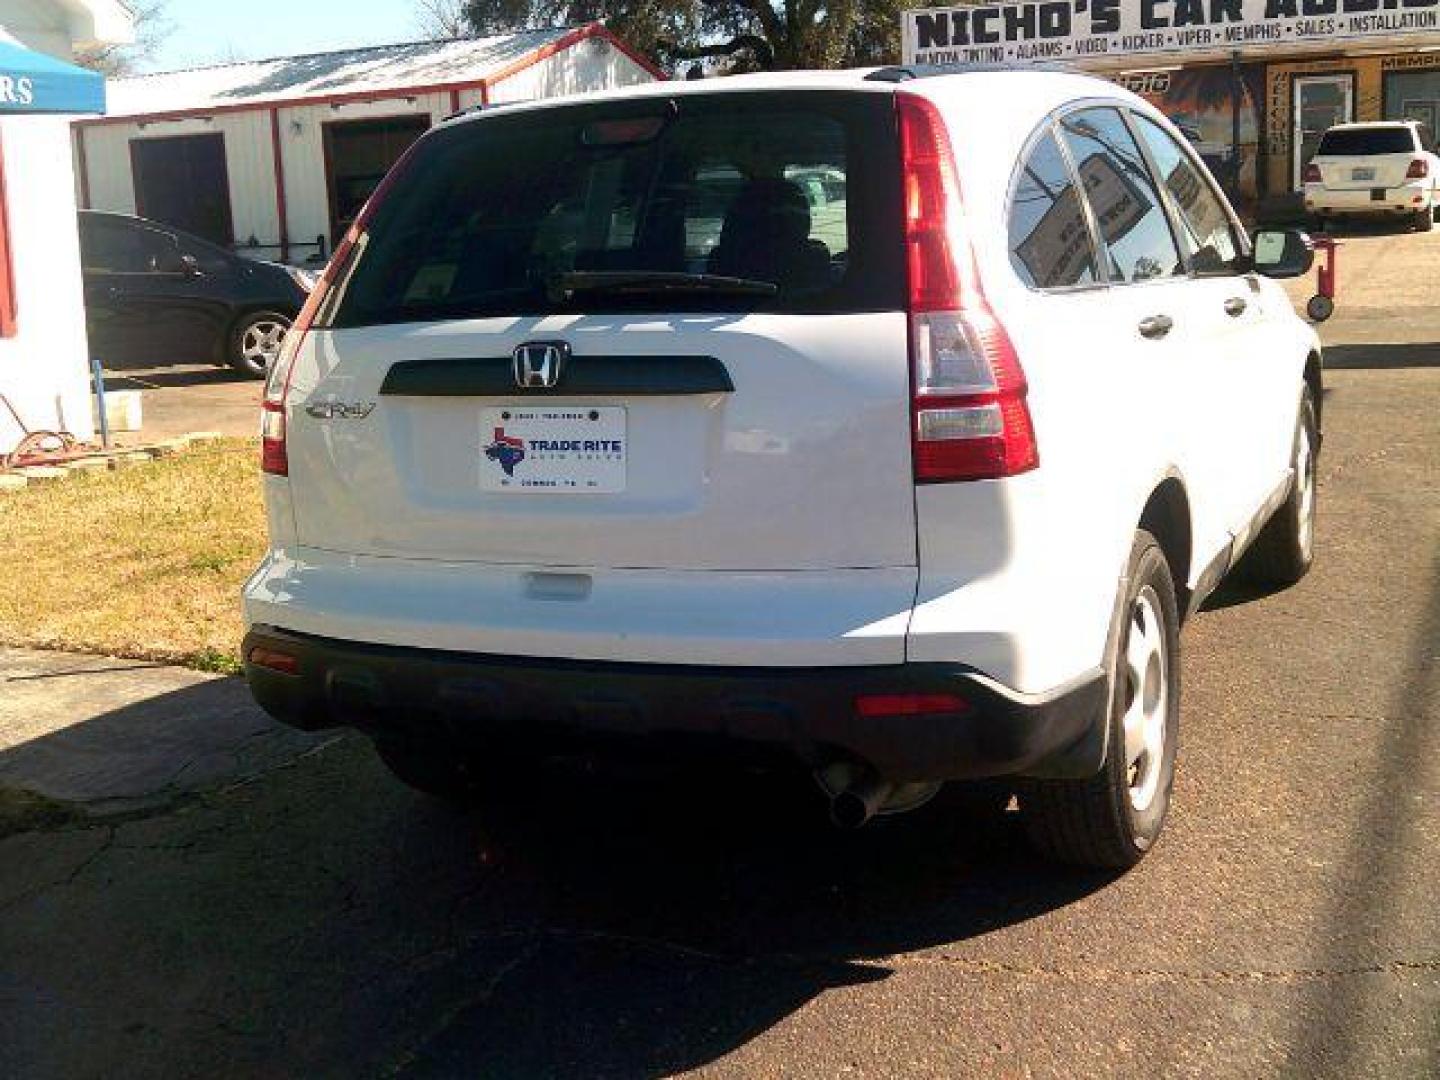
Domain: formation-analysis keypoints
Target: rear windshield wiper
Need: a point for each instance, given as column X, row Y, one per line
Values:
column 563, row 287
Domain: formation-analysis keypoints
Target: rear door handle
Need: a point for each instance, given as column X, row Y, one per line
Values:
column 1156, row 327
column 1236, row 306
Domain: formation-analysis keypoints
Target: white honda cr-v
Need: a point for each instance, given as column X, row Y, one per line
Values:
column 889, row 423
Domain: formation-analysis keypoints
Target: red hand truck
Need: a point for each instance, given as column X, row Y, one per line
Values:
column 1322, row 304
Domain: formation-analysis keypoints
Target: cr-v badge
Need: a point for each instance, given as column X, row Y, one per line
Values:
column 339, row 410
column 539, row 365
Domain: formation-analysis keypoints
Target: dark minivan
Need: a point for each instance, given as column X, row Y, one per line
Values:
column 155, row 295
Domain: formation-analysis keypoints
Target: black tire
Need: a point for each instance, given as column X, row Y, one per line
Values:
column 1424, row 220
column 253, row 341
column 1103, row 822
column 1320, row 308
column 1285, row 549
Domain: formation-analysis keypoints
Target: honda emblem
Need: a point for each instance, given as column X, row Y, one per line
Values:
column 539, row 365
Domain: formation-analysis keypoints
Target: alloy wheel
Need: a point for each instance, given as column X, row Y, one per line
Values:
column 1145, row 672
column 260, row 343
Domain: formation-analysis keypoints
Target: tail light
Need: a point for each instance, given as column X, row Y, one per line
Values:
column 1313, row 174
column 274, row 455
column 882, row 706
column 1419, row 169
column 970, row 417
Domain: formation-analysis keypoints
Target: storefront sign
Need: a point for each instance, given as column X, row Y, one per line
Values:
column 1078, row 30
column 32, row 82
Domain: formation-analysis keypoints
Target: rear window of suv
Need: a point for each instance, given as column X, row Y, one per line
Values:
column 1364, row 142
column 795, row 194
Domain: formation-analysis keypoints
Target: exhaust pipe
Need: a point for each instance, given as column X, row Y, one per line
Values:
column 860, row 800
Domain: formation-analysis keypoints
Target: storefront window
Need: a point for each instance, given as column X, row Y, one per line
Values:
column 7, row 266
column 1413, row 95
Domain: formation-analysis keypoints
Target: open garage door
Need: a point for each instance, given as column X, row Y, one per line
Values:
column 183, row 182
column 358, row 154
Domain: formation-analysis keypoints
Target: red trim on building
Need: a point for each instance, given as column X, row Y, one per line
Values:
column 82, row 166
column 9, row 305
column 484, row 93
column 584, row 33
column 454, row 101
column 282, row 214
column 635, row 54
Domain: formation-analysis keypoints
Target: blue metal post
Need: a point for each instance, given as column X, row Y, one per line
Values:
column 98, row 373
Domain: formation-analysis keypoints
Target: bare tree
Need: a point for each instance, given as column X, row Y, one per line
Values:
column 443, row 18
column 152, row 27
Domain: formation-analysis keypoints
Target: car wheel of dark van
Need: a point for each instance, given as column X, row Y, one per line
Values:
column 255, row 341
column 1424, row 220
column 1112, row 819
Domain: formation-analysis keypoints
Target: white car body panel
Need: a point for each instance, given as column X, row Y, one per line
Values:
column 793, row 471
column 827, row 618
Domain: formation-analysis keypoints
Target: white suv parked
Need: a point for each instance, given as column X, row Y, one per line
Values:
column 599, row 434
column 1386, row 169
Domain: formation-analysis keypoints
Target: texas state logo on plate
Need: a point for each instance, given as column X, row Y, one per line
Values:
column 558, row 449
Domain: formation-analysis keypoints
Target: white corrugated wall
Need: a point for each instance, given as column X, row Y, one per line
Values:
column 592, row 65
column 247, row 156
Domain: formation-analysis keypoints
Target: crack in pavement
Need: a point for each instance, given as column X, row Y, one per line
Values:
column 1199, row 976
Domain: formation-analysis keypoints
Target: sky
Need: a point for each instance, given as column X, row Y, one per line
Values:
column 218, row 31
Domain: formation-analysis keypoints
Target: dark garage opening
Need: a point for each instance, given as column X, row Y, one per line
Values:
column 183, row 182
column 358, row 154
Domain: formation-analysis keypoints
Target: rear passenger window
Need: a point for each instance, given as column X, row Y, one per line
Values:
column 1133, row 223
column 498, row 216
column 1050, row 244
column 1205, row 226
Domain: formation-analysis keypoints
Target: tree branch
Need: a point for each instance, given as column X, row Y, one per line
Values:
column 770, row 23
column 761, row 49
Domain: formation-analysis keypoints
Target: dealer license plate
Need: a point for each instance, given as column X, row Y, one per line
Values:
column 555, row 449
column 1362, row 174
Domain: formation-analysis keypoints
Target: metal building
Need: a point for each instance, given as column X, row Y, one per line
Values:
column 276, row 157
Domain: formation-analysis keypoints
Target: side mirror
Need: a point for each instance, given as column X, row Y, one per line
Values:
column 190, row 266
column 1287, row 254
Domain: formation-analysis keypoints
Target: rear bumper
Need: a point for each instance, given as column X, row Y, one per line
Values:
column 564, row 706
column 1406, row 199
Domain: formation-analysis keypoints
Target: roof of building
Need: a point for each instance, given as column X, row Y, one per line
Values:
column 325, row 76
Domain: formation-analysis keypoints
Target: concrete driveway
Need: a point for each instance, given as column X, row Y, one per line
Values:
column 209, row 895
column 182, row 398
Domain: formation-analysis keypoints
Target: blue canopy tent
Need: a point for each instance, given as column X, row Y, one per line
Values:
column 33, row 83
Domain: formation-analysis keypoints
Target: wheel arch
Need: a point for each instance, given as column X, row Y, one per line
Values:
column 1315, row 380
column 1167, row 517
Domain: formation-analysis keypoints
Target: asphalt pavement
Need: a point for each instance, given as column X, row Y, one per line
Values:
column 201, row 893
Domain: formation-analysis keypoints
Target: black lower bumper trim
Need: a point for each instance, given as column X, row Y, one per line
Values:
column 558, row 706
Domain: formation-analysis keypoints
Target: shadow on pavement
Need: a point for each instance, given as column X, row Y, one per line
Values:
column 1374, row 874
column 315, row 915
column 148, row 378
column 1381, row 357
column 1341, row 228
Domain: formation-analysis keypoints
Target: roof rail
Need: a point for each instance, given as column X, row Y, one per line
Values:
column 905, row 73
